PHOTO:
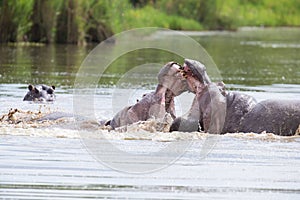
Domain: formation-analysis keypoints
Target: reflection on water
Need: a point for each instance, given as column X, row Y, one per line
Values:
column 247, row 57
column 35, row 64
column 256, row 56
column 50, row 168
column 49, row 161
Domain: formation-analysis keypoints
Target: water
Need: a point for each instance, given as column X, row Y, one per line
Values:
column 239, row 167
column 49, row 161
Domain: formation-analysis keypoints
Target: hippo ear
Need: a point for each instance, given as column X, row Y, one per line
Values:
column 107, row 123
column 53, row 87
column 30, row 87
column 222, row 87
column 36, row 90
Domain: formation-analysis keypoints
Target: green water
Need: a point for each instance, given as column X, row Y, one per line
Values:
column 258, row 56
column 247, row 57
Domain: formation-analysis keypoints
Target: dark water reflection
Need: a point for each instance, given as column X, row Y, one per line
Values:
column 256, row 56
column 55, row 64
column 247, row 57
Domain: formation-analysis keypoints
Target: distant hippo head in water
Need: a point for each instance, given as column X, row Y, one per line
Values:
column 40, row 93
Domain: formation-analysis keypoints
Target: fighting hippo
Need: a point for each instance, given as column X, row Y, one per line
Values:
column 213, row 109
column 40, row 93
column 281, row 117
column 157, row 103
column 229, row 112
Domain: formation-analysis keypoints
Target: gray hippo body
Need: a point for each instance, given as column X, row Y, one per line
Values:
column 149, row 106
column 215, row 112
column 237, row 106
column 40, row 93
column 155, row 104
column 213, row 109
column 232, row 112
column 273, row 116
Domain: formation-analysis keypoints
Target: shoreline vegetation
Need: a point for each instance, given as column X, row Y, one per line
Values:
column 92, row 21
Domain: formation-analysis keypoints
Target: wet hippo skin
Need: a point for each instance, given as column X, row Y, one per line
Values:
column 281, row 117
column 40, row 93
column 157, row 103
column 241, row 114
column 213, row 109
column 214, row 112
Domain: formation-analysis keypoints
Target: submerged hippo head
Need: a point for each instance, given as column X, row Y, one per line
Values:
column 171, row 78
column 40, row 93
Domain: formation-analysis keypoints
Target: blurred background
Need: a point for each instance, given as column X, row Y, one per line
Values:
column 84, row 21
column 45, row 41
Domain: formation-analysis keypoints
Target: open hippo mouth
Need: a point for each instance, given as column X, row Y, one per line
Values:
column 174, row 80
column 177, row 66
column 195, row 69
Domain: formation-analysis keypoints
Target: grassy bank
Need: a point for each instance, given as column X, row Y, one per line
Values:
column 231, row 14
column 81, row 21
column 151, row 17
column 261, row 12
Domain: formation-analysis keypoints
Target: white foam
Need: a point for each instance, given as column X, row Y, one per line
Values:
column 25, row 123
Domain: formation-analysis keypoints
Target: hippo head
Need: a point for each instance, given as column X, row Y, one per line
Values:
column 170, row 77
column 40, row 93
column 196, row 75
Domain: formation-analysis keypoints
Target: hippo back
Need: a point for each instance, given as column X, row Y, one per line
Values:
column 238, row 105
column 273, row 116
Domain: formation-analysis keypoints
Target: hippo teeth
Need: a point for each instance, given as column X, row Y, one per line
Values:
column 176, row 66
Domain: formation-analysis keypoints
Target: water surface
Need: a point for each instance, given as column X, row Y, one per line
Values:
column 38, row 161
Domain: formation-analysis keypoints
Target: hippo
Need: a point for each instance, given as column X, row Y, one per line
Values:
column 195, row 119
column 212, row 103
column 40, row 93
column 171, row 83
column 281, row 117
column 229, row 112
